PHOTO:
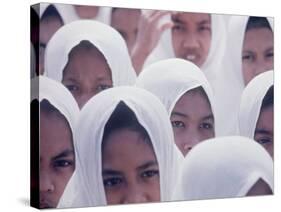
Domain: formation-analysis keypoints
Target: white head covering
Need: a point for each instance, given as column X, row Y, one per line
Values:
column 43, row 88
column 235, row 39
column 224, row 167
column 86, row 186
column 107, row 40
column 170, row 79
column 103, row 15
column 251, row 102
column 212, row 64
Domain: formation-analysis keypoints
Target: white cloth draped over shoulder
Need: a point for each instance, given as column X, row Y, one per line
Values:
column 224, row 167
column 85, row 188
column 43, row 88
column 251, row 102
column 106, row 39
column 170, row 79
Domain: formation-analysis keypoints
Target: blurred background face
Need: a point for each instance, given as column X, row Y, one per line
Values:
column 264, row 129
column 192, row 121
column 191, row 36
column 48, row 26
column 257, row 55
column 86, row 74
column 86, row 12
column 260, row 188
column 57, row 161
column 129, row 169
column 125, row 21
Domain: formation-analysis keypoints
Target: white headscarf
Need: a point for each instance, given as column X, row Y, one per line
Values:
column 86, row 188
column 43, row 88
column 170, row 79
column 251, row 102
column 235, row 39
column 107, row 40
column 224, row 167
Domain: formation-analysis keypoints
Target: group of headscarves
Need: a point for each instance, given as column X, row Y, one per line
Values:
column 217, row 168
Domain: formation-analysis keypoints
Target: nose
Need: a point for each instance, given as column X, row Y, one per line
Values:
column 190, row 141
column 46, row 184
column 84, row 98
column 263, row 66
column 135, row 194
column 191, row 41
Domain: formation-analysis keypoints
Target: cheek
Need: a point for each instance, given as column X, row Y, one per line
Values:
column 206, row 43
column 176, row 42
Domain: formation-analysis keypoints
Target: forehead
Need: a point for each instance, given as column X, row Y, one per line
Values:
column 193, row 102
column 258, row 37
column 191, row 18
column 87, row 62
column 55, row 133
column 126, row 145
column 265, row 120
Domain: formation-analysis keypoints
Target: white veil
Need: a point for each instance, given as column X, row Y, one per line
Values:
column 85, row 188
column 44, row 88
column 251, row 102
column 224, row 167
column 107, row 40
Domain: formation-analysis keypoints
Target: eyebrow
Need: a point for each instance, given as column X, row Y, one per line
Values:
column 204, row 22
column 208, row 117
column 63, row 154
column 110, row 172
column 147, row 165
column 263, row 131
column 179, row 114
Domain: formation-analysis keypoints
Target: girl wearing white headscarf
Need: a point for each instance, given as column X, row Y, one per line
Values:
column 58, row 115
column 226, row 167
column 211, row 66
column 111, row 58
column 236, row 32
column 251, row 108
column 172, row 79
column 86, row 187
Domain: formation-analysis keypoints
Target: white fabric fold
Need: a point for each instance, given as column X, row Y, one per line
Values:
column 106, row 39
column 251, row 102
column 86, row 188
column 43, row 88
column 224, row 167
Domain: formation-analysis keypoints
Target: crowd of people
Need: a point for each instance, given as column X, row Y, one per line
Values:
column 145, row 105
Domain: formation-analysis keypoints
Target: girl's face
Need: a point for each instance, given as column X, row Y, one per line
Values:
column 57, row 160
column 192, row 121
column 125, row 21
column 86, row 74
column 86, row 12
column 264, row 129
column 257, row 55
column 191, row 36
column 48, row 27
column 129, row 169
